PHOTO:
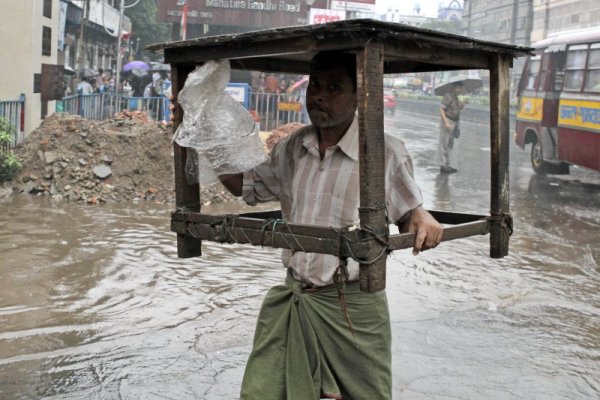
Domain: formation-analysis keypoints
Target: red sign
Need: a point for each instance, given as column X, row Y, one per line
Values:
column 322, row 16
column 245, row 13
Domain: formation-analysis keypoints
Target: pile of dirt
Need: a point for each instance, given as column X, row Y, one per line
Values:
column 283, row 131
column 126, row 158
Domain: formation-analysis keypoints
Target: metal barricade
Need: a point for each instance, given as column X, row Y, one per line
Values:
column 101, row 106
column 271, row 109
column 13, row 111
column 274, row 109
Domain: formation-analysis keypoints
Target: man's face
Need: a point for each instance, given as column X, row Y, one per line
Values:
column 330, row 98
column 458, row 89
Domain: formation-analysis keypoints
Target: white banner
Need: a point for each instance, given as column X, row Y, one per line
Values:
column 62, row 21
column 342, row 5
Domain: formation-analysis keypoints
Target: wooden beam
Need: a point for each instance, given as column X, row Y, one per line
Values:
column 372, row 211
column 273, row 48
column 187, row 196
column 406, row 240
column 268, row 64
column 306, row 238
column 501, row 226
column 431, row 54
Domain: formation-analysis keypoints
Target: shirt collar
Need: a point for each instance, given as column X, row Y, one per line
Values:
column 348, row 144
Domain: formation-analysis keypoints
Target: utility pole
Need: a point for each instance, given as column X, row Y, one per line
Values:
column 122, row 8
column 84, row 16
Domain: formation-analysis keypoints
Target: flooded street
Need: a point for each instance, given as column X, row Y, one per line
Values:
column 95, row 304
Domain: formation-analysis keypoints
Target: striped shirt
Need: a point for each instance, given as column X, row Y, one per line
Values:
column 327, row 192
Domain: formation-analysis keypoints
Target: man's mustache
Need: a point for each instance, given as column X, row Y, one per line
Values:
column 318, row 107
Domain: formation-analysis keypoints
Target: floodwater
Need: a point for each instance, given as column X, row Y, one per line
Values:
column 95, row 304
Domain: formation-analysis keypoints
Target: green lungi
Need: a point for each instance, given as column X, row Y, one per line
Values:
column 303, row 346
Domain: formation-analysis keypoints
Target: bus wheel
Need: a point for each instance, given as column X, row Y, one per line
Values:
column 537, row 159
column 542, row 167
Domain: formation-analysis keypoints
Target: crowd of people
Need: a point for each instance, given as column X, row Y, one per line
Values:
column 142, row 90
column 149, row 84
column 274, row 89
column 102, row 82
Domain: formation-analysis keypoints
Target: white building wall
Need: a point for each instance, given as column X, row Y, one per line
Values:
column 21, row 53
column 553, row 16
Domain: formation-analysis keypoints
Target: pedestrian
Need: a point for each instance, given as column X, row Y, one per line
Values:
column 84, row 87
column 282, row 98
column 449, row 126
column 99, row 82
column 271, row 90
column 148, row 90
column 305, row 346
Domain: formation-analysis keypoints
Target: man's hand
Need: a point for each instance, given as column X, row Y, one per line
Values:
column 171, row 108
column 428, row 232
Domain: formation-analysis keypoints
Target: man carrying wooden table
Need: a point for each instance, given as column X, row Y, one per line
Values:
column 318, row 335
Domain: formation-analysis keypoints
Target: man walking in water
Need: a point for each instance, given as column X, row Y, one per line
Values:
column 317, row 335
column 449, row 126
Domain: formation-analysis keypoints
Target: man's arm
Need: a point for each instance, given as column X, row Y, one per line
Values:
column 444, row 118
column 428, row 232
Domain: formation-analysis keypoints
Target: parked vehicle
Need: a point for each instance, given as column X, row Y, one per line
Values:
column 559, row 103
column 389, row 101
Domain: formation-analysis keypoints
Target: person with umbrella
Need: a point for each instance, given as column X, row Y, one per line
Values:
column 449, row 125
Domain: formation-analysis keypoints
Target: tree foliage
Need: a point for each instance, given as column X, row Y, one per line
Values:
column 9, row 163
column 146, row 27
column 443, row 26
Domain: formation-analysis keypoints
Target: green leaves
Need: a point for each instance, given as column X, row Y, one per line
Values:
column 7, row 131
column 9, row 163
column 146, row 28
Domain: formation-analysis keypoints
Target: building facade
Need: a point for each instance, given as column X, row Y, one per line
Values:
column 452, row 11
column 502, row 21
column 553, row 16
column 524, row 22
column 30, row 30
column 41, row 40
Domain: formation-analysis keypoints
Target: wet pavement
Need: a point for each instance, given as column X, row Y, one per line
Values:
column 94, row 303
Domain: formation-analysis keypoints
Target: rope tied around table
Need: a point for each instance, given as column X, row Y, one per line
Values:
column 341, row 274
column 274, row 222
column 504, row 219
column 227, row 224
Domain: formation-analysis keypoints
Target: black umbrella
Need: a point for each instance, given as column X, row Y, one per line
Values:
column 88, row 73
column 69, row 71
column 469, row 84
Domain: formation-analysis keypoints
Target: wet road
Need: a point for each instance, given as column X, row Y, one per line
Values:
column 94, row 303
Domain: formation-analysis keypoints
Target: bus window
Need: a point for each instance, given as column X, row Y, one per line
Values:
column 576, row 57
column 592, row 80
column 532, row 73
column 543, row 72
column 559, row 70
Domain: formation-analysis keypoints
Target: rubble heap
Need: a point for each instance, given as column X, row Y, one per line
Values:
column 122, row 159
column 283, row 131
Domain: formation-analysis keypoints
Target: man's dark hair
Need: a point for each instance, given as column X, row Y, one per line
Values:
column 335, row 59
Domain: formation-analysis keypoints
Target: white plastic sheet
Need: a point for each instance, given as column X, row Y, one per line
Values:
column 222, row 132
